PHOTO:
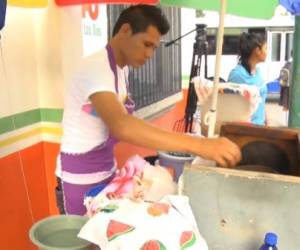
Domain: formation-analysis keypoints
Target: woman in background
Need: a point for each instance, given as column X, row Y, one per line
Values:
column 252, row 50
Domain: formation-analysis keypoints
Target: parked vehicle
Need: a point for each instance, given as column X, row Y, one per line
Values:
column 279, row 32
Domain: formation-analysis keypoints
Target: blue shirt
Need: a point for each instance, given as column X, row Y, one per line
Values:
column 240, row 75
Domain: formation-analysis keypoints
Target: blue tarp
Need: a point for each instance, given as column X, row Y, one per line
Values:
column 292, row 6
column 2, row 13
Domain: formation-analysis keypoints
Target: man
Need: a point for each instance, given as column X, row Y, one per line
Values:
column 285, row 79
column 98, row 111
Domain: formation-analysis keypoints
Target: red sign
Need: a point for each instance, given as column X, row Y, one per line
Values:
column 74, row 2
column 88, row 9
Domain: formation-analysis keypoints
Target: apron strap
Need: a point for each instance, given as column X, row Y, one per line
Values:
column 113, row 65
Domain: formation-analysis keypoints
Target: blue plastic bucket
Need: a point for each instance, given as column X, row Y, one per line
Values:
column 59, row 233
column 167, row 159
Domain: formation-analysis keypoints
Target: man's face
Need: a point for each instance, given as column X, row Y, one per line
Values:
column 140, row 47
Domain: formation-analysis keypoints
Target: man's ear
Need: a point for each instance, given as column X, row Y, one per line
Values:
column 258, row 50
column 125, row 29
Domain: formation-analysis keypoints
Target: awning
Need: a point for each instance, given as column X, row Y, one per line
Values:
column 28, row 3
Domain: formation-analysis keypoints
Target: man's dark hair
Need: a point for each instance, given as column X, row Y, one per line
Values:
column 139, row 17
column 247, row 43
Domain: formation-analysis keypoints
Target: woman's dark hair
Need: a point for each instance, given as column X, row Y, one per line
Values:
column 140, row 17
column 247, row 43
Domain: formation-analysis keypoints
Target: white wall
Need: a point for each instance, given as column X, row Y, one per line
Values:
column 49, row 58
column 40, row 49
column 18, row 78
column 188, row 23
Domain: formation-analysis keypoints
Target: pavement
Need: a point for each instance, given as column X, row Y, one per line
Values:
column 276, row 116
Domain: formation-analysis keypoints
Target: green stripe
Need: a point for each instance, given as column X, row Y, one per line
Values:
column 27, row 118
column 20, row 120
column 6, row 124
column 51, row 115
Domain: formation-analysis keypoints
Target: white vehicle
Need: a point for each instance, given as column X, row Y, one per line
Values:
column 278, row 30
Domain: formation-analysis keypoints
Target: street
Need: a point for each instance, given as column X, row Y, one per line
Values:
column 276, row 116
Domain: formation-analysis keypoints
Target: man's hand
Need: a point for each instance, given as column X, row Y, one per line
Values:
column 223, row 151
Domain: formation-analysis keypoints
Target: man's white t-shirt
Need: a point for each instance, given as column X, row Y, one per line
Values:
column 82, row 131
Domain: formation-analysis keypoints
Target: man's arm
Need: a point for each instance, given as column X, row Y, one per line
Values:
column 133, row 130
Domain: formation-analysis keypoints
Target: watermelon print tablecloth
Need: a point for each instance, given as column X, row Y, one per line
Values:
column 166, row 225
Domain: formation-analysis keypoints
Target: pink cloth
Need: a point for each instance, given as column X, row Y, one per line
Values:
column 137, row 180
column 123, row 181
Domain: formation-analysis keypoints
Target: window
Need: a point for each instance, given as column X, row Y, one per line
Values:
column 230, row 44
column 289, row 37
column 276, row 43
column 211, row 40
column 261, row 31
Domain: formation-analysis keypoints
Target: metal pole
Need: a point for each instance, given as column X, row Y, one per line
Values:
column 294, row 109
column 213, row 112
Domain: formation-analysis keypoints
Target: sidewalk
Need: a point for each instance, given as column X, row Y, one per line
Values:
column 276, row 116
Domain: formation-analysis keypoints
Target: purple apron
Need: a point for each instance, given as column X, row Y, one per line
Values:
column 99, row 163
